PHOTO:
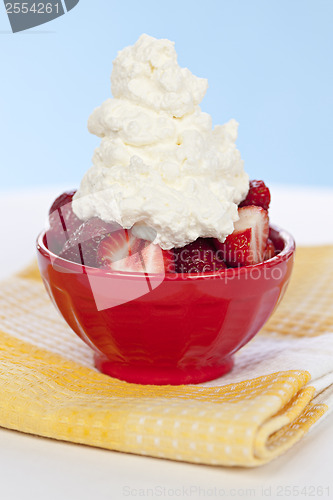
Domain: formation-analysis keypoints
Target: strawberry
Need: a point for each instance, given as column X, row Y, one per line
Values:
column 122, row 251
column 197, row 257
column 82, row 245
column 63, row 222
column 62, row 200
column 157, row 260
column 115, row 248
column 247, row 244
column 258, row 195
column 270, row 250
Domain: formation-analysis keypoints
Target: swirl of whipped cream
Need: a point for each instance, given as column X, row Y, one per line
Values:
column 161, row 168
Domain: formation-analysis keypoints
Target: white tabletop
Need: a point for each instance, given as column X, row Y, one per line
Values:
column 36, row 468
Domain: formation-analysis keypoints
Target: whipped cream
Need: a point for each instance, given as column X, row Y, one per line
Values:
column 161, row 168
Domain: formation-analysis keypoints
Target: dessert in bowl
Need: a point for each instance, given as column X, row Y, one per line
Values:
column 163, row 261
column 183, row 330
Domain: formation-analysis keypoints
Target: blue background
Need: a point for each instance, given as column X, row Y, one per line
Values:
column 268, row 63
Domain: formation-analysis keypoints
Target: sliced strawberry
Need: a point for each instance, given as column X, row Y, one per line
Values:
column 258, row 195
column 117, row 247
column 63, row 222
column 270, row 250
column 247, row 244
column 157, row 260
column 198, row 257
column 82, row 245
column 122, row 251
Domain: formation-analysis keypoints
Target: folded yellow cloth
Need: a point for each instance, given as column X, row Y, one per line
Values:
column 49, row 386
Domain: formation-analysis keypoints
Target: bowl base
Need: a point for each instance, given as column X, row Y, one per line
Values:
column 163, row 376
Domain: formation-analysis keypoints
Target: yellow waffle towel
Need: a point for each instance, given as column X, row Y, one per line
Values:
column 256, row 412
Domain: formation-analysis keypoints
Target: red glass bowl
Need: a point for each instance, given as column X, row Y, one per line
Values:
column 170, row 329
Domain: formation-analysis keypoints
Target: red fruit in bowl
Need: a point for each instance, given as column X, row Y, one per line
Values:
column 258, row 195
column 82, row 245
column 116, row 247
column 62, row 200
column 122, row 251
column 63, row 222
column 247, row 244
column 198, row 257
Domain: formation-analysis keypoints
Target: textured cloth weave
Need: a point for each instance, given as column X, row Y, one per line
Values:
column 282, row 382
